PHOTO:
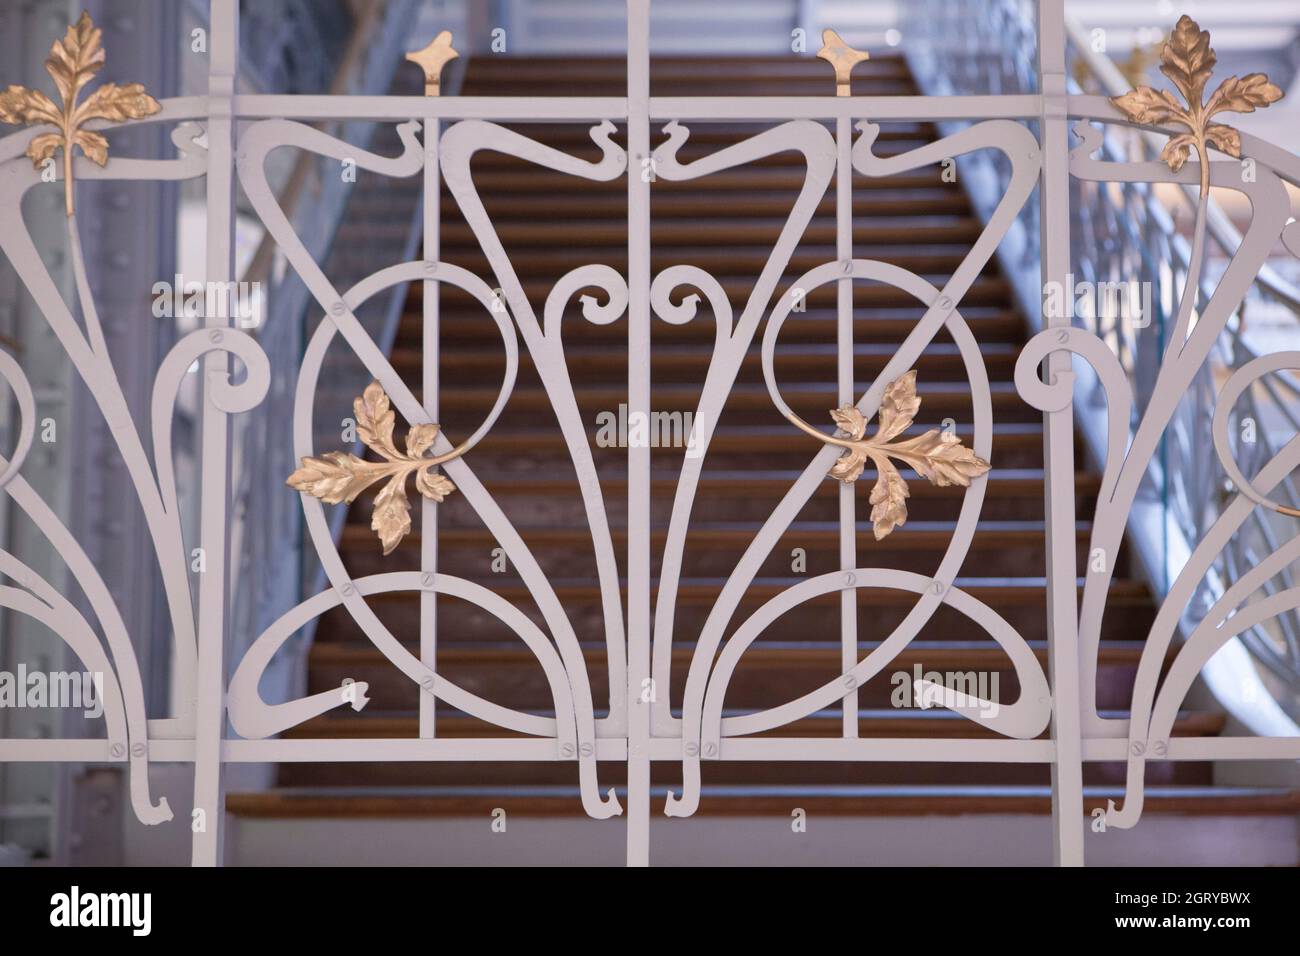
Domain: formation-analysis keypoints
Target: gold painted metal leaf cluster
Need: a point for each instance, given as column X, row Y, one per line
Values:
column 73, row 63
column 935, row 455
column 1188, row 60
column 337, row 477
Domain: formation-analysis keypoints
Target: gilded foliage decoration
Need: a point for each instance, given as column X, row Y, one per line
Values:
column 936, row 455
column 72, row 64
column 1188, row 60
column 337, row 477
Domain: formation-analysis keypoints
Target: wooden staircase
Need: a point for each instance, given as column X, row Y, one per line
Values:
column 725, row 224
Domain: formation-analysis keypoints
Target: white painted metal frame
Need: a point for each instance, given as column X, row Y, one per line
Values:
column 638, row 727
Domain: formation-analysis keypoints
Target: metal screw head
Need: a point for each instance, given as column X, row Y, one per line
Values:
column 348, row 590
column 215, row 336
column 587, row 749
column 1063, row 336
column 427, row 683
column 427, row 579
column 139, row 750
column 117, row 750
column 566, row 750
column 1160, row 748
column 692, row 749
column 1139, row 748
column 850, row 579
column 846, row 266
column 338, row 308
column 945, row 303
column 850, row 681
column 431, row 267
column 938, row 587
column 710, row 749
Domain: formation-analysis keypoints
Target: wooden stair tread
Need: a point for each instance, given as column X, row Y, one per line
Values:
column 996, row 592
column 757, row 801
column 999, row 481
column 914, row 535
column 883, row 724
column 931, row 654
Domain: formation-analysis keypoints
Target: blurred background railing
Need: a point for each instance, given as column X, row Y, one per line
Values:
column 1126, row 232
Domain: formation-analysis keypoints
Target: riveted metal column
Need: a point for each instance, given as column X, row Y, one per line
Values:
column 638, row 464
column 429, row 509
column 847, row 396
column 1058, row 452
column 210, row 714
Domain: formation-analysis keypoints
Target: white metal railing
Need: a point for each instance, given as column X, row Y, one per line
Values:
column 1130, row 232
column 1123, row 232
column 439, row 136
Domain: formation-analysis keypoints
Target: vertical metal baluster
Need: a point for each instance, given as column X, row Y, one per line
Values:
column 432, row 60
column 844, row 349
column 429, row 509
column 1058, row 454
column 638, row 458
column 210, row 718
column 843, row 58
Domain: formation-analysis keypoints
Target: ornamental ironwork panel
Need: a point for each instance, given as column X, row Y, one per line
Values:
column 415, row 461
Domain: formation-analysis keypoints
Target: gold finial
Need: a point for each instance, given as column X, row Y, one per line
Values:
column 72, row 63
column 432, row 59
column 843, row 58
column 1188, row 60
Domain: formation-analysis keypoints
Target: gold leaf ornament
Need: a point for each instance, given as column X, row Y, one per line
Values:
column 73, row 62
column 939, row 457
column 1188, row 60
column 338, row 477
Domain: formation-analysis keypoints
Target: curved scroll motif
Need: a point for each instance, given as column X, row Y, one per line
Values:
column 17, row 381
column 1153, row 715
column 1269, row 206
column 247, row 709
column 1058, row 394
column 1024, row 719
column 89, row 355
column 814, row 142
column 1022, row 150
column 252, row 717
column 1241, row 380
column 256, row 143
column 1187, row 60
column 458, row 146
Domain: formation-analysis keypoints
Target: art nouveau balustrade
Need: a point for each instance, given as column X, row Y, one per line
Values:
column 873, row 443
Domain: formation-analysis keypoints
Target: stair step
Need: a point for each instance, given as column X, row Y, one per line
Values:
column 991, row 324
column 612, row 235
column 553, row 802
column 523, row 69
column 549, row 497
column 713, row 548
column 934, row 723
column 930, row 199
column 747, row 404
column 985, row 290
column 769, row 672
column 681, row 363
column 513, row 447
column 1020, row 601
column 739, row 261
